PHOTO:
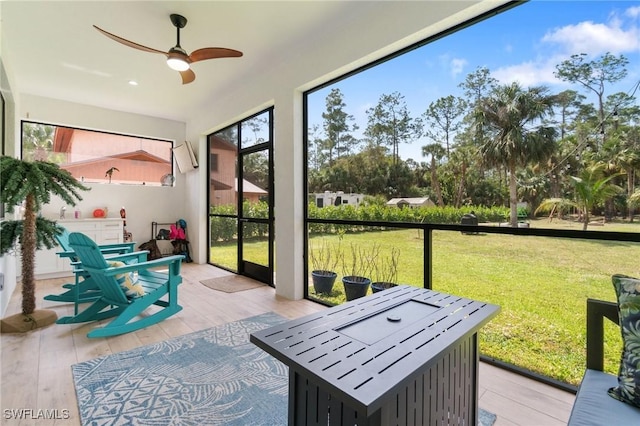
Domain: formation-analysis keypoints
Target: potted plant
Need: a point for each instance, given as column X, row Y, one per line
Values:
column 324, row 260
column 357, row 268
column 31, row 184
column 385, row 272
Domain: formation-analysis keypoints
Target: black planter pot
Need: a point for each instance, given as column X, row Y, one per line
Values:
column 355, row 287
column 379, row 286
column 323, row 281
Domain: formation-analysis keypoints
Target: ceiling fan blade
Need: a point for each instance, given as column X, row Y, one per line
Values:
column 187, row 76
column 213, row 53
column 129, row 43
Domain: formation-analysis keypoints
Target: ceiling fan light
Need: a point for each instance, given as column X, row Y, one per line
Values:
column 177, row 63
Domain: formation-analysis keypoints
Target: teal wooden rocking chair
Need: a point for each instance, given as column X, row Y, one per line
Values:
column 84, row 289
column 116, row 300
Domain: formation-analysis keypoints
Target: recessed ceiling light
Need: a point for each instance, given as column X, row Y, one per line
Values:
column 133, row 82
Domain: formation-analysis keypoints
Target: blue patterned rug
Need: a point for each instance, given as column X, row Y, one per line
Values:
column 210, row 377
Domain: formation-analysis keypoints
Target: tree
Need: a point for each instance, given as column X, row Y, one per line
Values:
column 593, row 75
column 437, row 152
column 569, row 102
column 37, row 143
column 228, row 134
column 259, row 126
column 629, row 161
column 32, row 183
column 567, row 107
column 337, row 126
column 389, row 124
column 461, row 159
column 623, row 150
column 507, row 114
column 591, row 188
column 442, row 119
column 634, row 200
column 256, row 168
column 477, row 85
column 532, row 186
column 314, row 147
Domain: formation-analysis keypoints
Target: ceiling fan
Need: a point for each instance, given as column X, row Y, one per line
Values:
column 177, row 57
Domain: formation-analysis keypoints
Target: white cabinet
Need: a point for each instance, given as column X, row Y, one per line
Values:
column 102, row 231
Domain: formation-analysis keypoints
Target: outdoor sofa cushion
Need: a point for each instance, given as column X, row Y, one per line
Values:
column 628, row 294
column 594, row 407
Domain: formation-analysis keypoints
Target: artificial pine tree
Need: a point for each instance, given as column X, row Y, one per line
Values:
column 31, row 183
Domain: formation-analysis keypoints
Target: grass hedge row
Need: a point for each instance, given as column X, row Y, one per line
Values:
column 225, row 229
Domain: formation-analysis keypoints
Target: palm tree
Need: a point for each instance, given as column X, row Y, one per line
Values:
column 592, row 187
column 533, row 185
column 37, row 141
column 628, row 159
column 460, row 161
column 32, row 183
column 437, row 152
column 513, row 116
column 634, row 199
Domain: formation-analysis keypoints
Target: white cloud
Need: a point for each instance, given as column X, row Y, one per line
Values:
column 617, row 36
column 457, row 66
column 594, row 39
column 633, row 12
column 454, row 66
column 528, row 74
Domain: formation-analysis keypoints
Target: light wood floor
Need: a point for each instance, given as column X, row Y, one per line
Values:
column 36, row 370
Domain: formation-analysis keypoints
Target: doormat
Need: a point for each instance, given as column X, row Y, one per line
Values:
column 231, row 283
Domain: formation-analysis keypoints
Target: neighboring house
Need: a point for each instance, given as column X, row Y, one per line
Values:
column 88, row 156
column 138, row 166
column 410, row 202
column 251, row 192
column 223, row 184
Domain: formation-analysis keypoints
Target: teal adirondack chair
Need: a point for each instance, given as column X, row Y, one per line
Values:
column 114, row 302
column 84, row 289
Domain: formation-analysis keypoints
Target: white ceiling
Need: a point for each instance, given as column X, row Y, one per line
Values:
column 50, row 49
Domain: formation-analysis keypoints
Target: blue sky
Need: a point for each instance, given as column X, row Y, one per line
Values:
column 523, row 44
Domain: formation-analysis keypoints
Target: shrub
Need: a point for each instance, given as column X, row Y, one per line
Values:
column 376, row 212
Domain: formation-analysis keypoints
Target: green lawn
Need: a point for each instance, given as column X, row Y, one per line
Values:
column 541, row 285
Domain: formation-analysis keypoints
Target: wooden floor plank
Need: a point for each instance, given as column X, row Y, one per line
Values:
column 513, row 412
column 43, row 358
column 552, row 402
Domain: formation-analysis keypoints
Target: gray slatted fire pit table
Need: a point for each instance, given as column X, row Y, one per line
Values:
column 401, row 356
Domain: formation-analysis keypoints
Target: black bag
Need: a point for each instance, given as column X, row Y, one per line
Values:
column 182, row 247
column 163, row 234
column 154, row 251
